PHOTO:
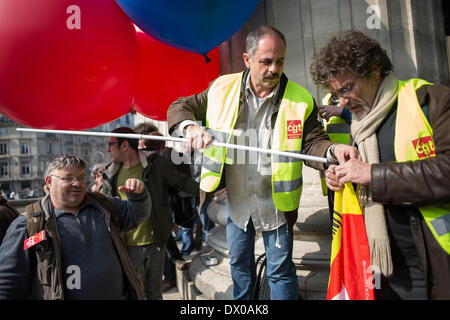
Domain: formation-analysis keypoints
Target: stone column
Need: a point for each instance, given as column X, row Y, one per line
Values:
column 411, row 31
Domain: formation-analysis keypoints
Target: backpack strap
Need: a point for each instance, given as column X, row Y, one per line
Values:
column 35, row 218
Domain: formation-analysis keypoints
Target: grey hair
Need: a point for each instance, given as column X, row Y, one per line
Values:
column 63, row 161
column 251, row 42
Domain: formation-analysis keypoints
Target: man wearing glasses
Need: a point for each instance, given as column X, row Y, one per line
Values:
column 401, row 130
column 74, row 250
column 146, row 244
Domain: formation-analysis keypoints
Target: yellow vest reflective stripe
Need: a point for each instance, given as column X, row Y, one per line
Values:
column 296, row 105
column 414, row 141
column 222, row 112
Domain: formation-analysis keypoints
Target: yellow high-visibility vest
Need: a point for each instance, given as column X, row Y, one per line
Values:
column 414, row 141
column 336, row 128
column 222, row 112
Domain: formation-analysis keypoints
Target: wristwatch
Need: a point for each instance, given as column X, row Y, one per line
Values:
column 333, row 146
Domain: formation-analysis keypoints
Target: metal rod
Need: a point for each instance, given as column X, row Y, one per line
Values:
column 174, row 139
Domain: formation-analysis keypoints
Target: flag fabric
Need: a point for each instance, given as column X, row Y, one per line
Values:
column 350, row 270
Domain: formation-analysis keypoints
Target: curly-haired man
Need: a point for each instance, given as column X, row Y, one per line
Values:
column 401, row 130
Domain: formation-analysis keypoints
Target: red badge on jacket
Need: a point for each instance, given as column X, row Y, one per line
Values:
column 31, row 241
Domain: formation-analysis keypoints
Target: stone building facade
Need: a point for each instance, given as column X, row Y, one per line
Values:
column 24, row 155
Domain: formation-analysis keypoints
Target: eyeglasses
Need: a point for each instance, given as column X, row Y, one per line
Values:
column 345, row 91
column 112, row 143
column 81, row 179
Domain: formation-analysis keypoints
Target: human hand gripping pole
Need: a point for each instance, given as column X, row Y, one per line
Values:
column 182, row 140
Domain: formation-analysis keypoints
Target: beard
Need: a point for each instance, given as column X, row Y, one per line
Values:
column 361, row 115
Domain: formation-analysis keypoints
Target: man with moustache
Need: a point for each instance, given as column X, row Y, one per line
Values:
column 401, row 130
column 259, row 103
column 75, row 251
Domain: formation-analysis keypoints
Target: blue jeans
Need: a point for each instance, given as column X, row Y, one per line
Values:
column 280, row 269
column 207, row 224
column 187, row 234
column 187, row 237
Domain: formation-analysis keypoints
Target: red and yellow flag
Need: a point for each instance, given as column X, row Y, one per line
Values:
column 350, row 271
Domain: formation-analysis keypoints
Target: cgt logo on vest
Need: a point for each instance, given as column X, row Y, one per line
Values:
column 294, row 129
column 424, row 147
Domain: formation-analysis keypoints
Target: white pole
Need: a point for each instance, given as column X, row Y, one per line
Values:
column 183, row 140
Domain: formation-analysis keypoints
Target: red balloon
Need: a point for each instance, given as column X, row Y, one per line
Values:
column 66, row 64
column 166, row 73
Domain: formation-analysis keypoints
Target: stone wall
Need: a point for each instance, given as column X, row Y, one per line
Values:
column 411, row 31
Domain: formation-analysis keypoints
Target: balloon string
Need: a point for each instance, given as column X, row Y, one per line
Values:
column 205, row 69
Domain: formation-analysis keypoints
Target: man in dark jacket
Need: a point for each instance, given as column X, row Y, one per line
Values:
column 75, row 251
column 147, row 243
column 401, row 129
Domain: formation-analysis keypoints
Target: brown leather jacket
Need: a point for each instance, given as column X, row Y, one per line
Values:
column 408, row 185
column 426, row 181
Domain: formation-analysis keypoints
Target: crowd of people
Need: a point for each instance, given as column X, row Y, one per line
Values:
column 14, row 195
column 387, row 136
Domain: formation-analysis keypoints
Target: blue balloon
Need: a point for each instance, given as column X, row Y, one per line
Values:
column 193, row 25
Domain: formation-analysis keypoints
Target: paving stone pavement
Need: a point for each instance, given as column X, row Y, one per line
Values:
column 172, row 294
